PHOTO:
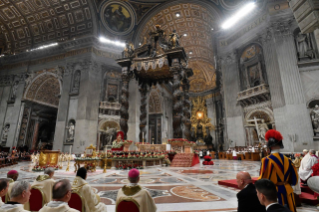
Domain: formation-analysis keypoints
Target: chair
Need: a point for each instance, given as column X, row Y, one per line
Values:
column 76, row 201
column 3, row 199
column 128, row 204
column 36, row 199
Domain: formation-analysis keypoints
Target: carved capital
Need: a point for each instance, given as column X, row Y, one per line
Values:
column 282, row 29
column 266, row 36
column 231, row 57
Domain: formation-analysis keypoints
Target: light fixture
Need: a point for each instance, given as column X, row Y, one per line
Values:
column 185, row 35
column 212, row 28
column 199, row 114
column 139, row 44
column 44, row 47
column 190, row 52
column 238, row 15
column 116, row 43
column 177, row 15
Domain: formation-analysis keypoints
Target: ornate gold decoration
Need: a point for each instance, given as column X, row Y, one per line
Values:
column 89, row 154
column 43, row 159
column 131, row 190
column 199, row 107
column 42, row 177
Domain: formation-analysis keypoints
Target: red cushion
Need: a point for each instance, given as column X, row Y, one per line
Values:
column 76, row 202
column 3, row 198
column 35, row 200
column 125, row 206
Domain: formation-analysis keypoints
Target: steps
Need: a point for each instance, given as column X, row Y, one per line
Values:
column 182, row 160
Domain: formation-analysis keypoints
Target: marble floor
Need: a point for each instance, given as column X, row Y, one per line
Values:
column 173, row 189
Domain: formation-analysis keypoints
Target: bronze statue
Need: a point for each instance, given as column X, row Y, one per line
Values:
column 157, row 39
column 174, row 39
column 129, row 50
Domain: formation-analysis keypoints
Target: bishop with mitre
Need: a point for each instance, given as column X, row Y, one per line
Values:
column 135, row 193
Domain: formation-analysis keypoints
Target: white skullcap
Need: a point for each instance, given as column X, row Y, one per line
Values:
column 305, row 150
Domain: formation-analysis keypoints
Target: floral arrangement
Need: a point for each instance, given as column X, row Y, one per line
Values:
column 189, row 143
column 128, row 166
column 37, row 169
column 172, row 152
column 117, row 145
column 315, row 169
column 208, row 160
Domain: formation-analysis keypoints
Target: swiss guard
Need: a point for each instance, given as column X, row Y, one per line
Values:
column 280, row 170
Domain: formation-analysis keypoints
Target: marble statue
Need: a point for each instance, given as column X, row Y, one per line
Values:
column 71, row 129
column 303, row 43
column 263, row 128
column 174, row 39
column 5, row 133
column 110, row 133
column 315, row 119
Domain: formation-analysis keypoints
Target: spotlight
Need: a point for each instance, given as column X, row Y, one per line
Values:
column 177, row 15
column 190, row 52
column 185, row 35
column 238, row 15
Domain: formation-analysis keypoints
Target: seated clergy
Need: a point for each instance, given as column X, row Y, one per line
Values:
column 247, row 197
column 91, row 200
column 13, row 175
column 4, row 186
column 134, row 192
column 45, row 184
column 305, row 170
column 267, row 195
column 20, row 195
column 61, row 195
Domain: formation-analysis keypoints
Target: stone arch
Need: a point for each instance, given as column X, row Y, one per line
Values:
column 264, row 113
column 313, row 102
column 44, row 89
column 155, row 103
column 108, row 123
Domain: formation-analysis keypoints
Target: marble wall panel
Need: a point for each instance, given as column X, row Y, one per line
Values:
column 235, row 131
column 134, row 111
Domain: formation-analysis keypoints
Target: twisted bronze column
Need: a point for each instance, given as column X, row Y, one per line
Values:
column 143, row 117
column 124, row 104
column 186, row 110
column 178, row 101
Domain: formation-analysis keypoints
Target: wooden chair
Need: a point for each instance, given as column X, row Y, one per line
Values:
column 127, row 204
column 36, row 199
column 76, row 201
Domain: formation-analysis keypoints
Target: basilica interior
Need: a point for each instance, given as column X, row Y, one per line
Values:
column 74, row 73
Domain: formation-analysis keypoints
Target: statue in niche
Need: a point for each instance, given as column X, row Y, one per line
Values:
column 263, row 128
column 76, row 82
column 5, row 133
column 71, row 129
column 110, row 136
column 304, row 46
column 315, row 119
column 14, row 91
column 174, row 39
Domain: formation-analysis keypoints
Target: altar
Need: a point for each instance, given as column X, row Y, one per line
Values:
column 49, row 157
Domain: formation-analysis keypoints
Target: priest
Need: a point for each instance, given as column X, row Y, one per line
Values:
column 135, row 193
column 91, row 200
column 61, row 195
column 305, row 170
column 4, row 186
column 13, row 176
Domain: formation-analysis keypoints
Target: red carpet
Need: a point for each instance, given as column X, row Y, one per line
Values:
column 307, row 195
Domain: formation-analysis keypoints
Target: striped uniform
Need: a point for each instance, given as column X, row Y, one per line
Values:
column 281, row 171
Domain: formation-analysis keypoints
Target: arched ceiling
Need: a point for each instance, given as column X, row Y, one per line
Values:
column 197, row 22
column 30, row 23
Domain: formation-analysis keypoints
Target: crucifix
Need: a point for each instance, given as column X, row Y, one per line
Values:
column 255, row 120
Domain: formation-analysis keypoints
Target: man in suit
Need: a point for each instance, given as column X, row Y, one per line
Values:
column 247, row 197
column 267, row 195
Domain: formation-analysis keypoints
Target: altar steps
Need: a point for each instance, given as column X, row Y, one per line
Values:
column 307, row 195
column 185, row 160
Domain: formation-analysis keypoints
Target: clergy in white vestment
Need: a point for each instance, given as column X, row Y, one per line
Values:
column 305, row 170
column 20, row 195
column 13, row 176
column 91, row 200
column 45, row 184
column 61, row 195
column 135, row 192
column 4, row 186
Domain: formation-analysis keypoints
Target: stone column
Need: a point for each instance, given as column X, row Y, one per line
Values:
column 296, row 119
column 143, row 116
column 125, row 104
column 211, row 113
column 16, row 136
column 178, row 101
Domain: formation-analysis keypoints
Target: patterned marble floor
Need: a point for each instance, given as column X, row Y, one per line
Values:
column 173, row 189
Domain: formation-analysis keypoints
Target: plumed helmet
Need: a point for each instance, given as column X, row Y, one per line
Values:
column 274, row 138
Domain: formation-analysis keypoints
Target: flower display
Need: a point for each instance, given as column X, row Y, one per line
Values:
column 315, row 169
column 208, row 160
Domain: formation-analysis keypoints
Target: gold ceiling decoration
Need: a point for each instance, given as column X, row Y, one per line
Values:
column 195, row 23
column 27, row 24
